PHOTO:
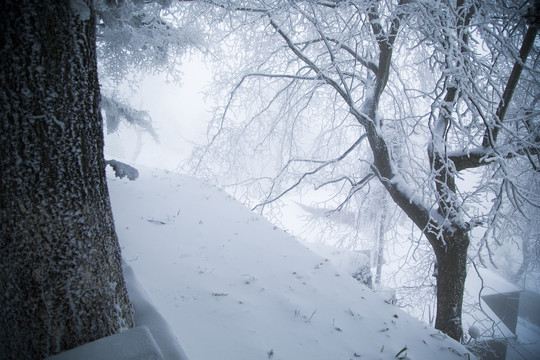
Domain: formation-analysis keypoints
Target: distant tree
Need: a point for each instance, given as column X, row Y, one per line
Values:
column 134, row 39
column 139, row 37
column 321, row 89
column 61, row 281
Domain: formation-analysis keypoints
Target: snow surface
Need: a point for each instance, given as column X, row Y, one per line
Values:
column 133, row 344
column 148, row 316
column 233, row 286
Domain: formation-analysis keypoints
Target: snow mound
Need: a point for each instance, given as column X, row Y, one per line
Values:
column 232, row 286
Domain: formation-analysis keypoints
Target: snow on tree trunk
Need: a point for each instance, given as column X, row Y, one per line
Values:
column 61, row 282
column 382, row 239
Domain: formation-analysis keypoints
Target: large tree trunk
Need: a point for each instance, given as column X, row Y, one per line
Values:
column 451, row 274
column 61, row 283
column 449, row 243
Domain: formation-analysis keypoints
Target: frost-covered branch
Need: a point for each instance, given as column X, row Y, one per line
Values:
column 310, row 63
column 361, row 60
column 116, row 111
column 492, row 131
column 135, row 36
column 322, row 165
column 481, row 156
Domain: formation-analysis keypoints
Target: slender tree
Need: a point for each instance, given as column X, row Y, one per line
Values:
column 61, row 282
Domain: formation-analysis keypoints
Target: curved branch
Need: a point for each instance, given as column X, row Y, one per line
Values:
column 314, row 171
column 363, row 61
column 311, row 64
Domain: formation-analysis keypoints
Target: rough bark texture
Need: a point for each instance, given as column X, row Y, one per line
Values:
column 61, row 283
column 451, row 274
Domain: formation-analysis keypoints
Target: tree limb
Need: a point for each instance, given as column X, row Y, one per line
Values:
column 482, row 156
column 314, row 171
column 490, row 136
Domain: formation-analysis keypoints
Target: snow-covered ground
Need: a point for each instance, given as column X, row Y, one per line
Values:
column 232, row 286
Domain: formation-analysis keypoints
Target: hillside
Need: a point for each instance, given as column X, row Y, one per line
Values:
column 232, row 286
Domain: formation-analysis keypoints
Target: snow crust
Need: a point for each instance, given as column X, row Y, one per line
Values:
column 233, row 286
column 133, row 344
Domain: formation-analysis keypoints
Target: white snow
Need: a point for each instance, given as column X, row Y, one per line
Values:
column 148, row 316
column 474, row 332
column 232, row 286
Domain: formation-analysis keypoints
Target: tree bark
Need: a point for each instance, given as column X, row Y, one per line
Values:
column 449, row 244
column 61, row 282
column 451, row 274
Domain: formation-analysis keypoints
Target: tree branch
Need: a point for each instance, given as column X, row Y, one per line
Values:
column 363, row 61
column 385, row 43
column 311, row 64
column 482, row 156
column 314, row 171
column 490, row 136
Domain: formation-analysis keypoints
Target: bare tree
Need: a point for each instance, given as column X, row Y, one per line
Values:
column 324, row 86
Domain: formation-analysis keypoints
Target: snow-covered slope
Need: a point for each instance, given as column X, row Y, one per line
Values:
column 234, row 287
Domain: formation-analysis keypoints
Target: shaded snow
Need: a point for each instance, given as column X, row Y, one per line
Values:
column 232, row 286
column 133, row 344
column 148, row 316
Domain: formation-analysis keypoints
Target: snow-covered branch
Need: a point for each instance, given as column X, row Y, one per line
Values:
column 322, row 165
column 122, row 170
column 481, row 156
column 492, row 132
column 116, row 111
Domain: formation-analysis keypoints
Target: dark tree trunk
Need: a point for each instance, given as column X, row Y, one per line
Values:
column 451, row 274
column 450, row 245
column 61, row 283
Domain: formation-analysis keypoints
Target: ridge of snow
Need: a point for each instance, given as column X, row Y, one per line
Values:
column 148, row 316
column 233, row 286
